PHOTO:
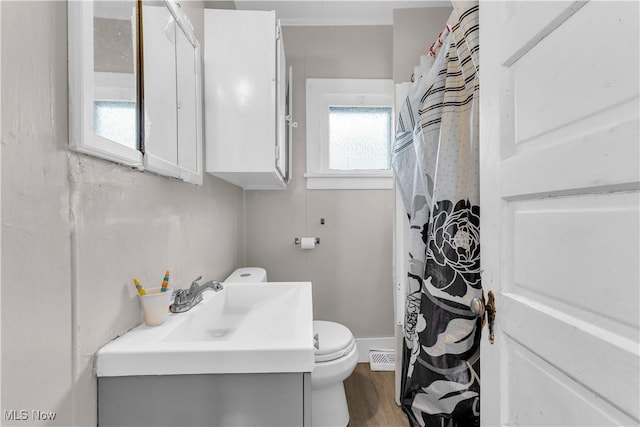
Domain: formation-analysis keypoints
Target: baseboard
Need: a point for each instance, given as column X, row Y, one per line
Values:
column 366, row 344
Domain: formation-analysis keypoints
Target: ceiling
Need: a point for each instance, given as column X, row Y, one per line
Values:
column 334, row 12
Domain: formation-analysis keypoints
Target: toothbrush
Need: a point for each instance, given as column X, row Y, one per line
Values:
column 165, row 282
column 139, row 287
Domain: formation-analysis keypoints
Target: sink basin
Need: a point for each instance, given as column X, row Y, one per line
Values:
column 244, row 328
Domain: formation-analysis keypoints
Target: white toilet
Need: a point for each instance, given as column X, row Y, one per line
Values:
column 336, row 358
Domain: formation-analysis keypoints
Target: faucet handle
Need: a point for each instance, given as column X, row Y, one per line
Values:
column 194, row 285
column 179, row 296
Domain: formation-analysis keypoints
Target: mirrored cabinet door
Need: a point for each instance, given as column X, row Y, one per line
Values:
column 114, row 65
column 103, row 80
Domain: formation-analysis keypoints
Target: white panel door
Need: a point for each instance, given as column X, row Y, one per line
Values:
column 560, row 166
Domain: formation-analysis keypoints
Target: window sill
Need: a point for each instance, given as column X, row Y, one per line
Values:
column 350, row 181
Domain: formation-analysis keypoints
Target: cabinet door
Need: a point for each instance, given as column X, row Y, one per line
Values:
column 290, row 124
column 240, row 93
column 103, row 103
column 160, row 121
column 188, row 109
column 281, row 110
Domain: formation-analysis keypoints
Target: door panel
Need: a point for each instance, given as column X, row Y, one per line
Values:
column 573, row 60
column 545, row 236
column 599, row 360
column 589, row 154
column 534, row 378
column 560, row 173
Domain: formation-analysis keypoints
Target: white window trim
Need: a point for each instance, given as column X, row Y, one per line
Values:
column 322, row 93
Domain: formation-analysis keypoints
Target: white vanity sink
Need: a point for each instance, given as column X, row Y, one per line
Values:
column 244, row 328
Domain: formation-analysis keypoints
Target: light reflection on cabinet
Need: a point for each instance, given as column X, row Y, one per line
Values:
column 247, row 99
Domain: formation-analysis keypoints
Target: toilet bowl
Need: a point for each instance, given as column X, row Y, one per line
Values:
column 336, row 357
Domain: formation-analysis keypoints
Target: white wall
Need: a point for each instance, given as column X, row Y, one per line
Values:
column 351, row 269
column 75, row 229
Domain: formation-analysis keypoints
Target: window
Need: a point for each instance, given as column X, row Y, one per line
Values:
column 359, row 138
column 349, row 133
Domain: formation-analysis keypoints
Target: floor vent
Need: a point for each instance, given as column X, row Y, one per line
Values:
column 382, row 360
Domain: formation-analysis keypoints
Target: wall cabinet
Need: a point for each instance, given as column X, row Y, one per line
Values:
column 142, row 113
column 247, row 99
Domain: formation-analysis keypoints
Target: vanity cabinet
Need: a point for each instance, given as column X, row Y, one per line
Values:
column 247, row 99
column 215, row 400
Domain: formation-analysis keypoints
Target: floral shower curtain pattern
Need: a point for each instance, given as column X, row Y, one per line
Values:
column 435, row 159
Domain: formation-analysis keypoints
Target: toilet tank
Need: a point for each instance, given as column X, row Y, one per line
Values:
column 247, row 274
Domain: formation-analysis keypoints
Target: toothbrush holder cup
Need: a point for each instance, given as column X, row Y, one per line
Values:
column 155, row 306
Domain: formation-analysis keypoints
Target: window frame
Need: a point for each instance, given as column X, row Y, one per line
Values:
column 325, row 93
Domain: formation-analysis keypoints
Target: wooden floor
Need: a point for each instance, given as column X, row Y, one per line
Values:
column 371, row 401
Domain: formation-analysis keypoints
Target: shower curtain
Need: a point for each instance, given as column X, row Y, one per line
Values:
column 435, row 159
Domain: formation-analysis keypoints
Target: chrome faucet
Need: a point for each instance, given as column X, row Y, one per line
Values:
column 186, row 299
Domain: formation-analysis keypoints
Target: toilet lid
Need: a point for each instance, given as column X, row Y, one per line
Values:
column 334, row 340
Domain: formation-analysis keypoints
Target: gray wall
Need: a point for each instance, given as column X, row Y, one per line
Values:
column 76, row 229
column 413, row 32
column 351, row 269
